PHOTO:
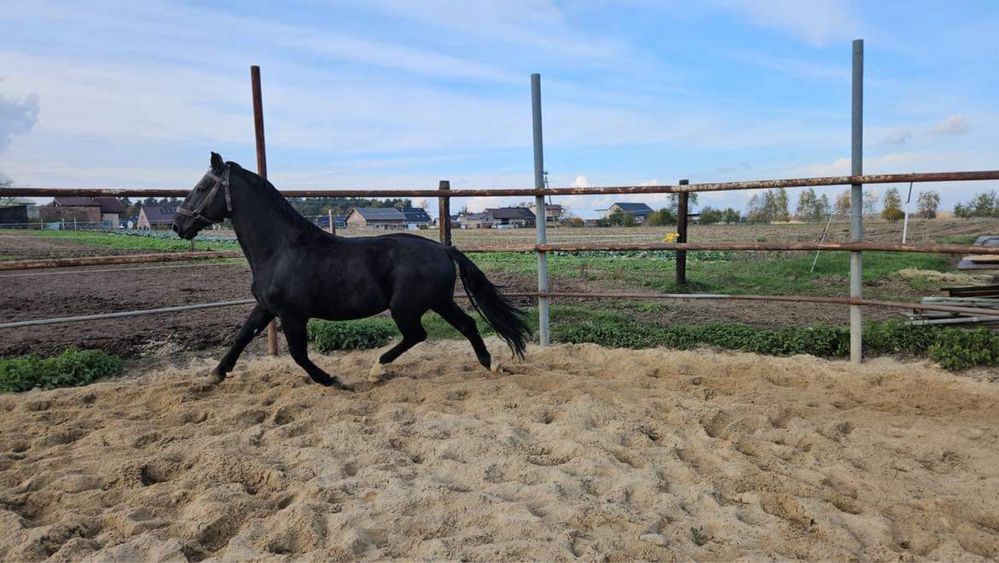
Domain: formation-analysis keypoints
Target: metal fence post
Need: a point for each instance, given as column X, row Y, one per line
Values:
column 332, row 218
column 857, row 202
column 544, row 337
column 682, row 210
column 444, row 213
column 258, row 128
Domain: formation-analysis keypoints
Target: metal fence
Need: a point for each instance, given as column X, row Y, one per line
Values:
column 542, row 248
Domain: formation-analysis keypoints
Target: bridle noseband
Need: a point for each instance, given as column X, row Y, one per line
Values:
column 220, row 182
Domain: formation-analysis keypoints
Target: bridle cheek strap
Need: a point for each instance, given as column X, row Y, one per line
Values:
column 220, row 182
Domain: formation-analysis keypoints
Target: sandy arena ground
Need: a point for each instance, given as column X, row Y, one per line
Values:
column 577, row 452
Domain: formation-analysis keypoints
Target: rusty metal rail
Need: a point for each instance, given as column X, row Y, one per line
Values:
column 919, row 177
column 549, row 295
column 522, row 248
column 119, row 259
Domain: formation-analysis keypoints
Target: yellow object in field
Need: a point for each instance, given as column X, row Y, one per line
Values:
column 671, row 237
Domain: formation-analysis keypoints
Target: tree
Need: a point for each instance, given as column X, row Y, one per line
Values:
column 806, row 205
column 757, row 213
column 770, row 206
column 664, row 216
column 621, row 219
column 870, row 202
column 6, row 182
column 781, row 212
column 811, row 207
column 928, row 203
column 674, row 200
column 843, row 204
column 985, row 204
column 730, row 216
column 710, row 216
column 892, row 205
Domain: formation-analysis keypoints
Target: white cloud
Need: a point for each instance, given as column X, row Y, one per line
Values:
column 953, row 125
column 580, row 182
column 899, row 137
column 815, row 21
column 17, row 117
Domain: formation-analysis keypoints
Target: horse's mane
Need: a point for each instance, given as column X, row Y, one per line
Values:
column 278, row 202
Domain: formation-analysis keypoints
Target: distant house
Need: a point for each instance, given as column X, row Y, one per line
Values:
column 105, row 210
column 384, row 218
column 477, row 221
column 416, row 218
column 339, row 221
column 511, row 217
column 13, row 215
column 553, row 212
column 155, row 217
column 639, row 211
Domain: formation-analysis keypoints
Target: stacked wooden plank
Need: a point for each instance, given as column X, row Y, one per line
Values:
column 977, row 296
column 981, row 261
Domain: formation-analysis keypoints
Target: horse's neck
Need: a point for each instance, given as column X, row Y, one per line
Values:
column 263, row 228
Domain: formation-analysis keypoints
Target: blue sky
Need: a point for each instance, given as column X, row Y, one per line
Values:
column 378, row 93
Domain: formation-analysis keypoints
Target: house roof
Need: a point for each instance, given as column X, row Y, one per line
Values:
column 338, row 220
column 158, row 215
column 633, row 208
column 511, row 213
column 383, row 214
column 415, row 215
column 478, row 217
column 107, row 204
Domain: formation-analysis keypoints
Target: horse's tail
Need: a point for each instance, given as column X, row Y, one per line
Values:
column 505, row 318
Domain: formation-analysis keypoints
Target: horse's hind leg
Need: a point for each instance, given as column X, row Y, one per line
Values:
column 465, row 324
column 413, row 333
column 256, row 322
column 296, row 334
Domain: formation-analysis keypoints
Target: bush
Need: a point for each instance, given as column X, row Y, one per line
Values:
column 957, row 349
column 362, row 334
column 71, row 368
column 952, row 348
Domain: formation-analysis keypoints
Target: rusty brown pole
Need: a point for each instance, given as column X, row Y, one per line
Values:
column 444, row 213
column 258, row 129
column 107, row 260
column 682, row 205
column 550, row 247
column 917, row 177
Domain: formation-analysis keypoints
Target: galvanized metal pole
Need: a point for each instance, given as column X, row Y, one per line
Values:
column 544, row 337
column 258, row 128
column 332, row 220
column 857, row 202
column 908, row 204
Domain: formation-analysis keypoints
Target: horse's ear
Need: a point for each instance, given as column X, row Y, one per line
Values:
column 218, row 165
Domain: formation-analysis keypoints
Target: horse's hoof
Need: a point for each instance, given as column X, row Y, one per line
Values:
column 494, row 366
column 376, row 373
column 215, row 377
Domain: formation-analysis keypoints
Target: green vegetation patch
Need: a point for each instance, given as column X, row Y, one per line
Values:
column 362, row 334
column 71, row 368
column 161, row 241
column 952, row 348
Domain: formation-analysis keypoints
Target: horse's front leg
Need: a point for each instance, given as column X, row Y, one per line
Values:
column 296, row 333
column 252, row 326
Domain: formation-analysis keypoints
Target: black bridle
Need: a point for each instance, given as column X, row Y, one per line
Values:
column 220, row 182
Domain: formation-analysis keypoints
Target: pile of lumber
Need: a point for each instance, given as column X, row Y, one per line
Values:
column 981, row 261
column 977, row 296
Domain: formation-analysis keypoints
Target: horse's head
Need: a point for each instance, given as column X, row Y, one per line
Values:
column 209, row 202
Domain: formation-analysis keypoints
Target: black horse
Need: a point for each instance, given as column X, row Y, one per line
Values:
column 302, row 272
